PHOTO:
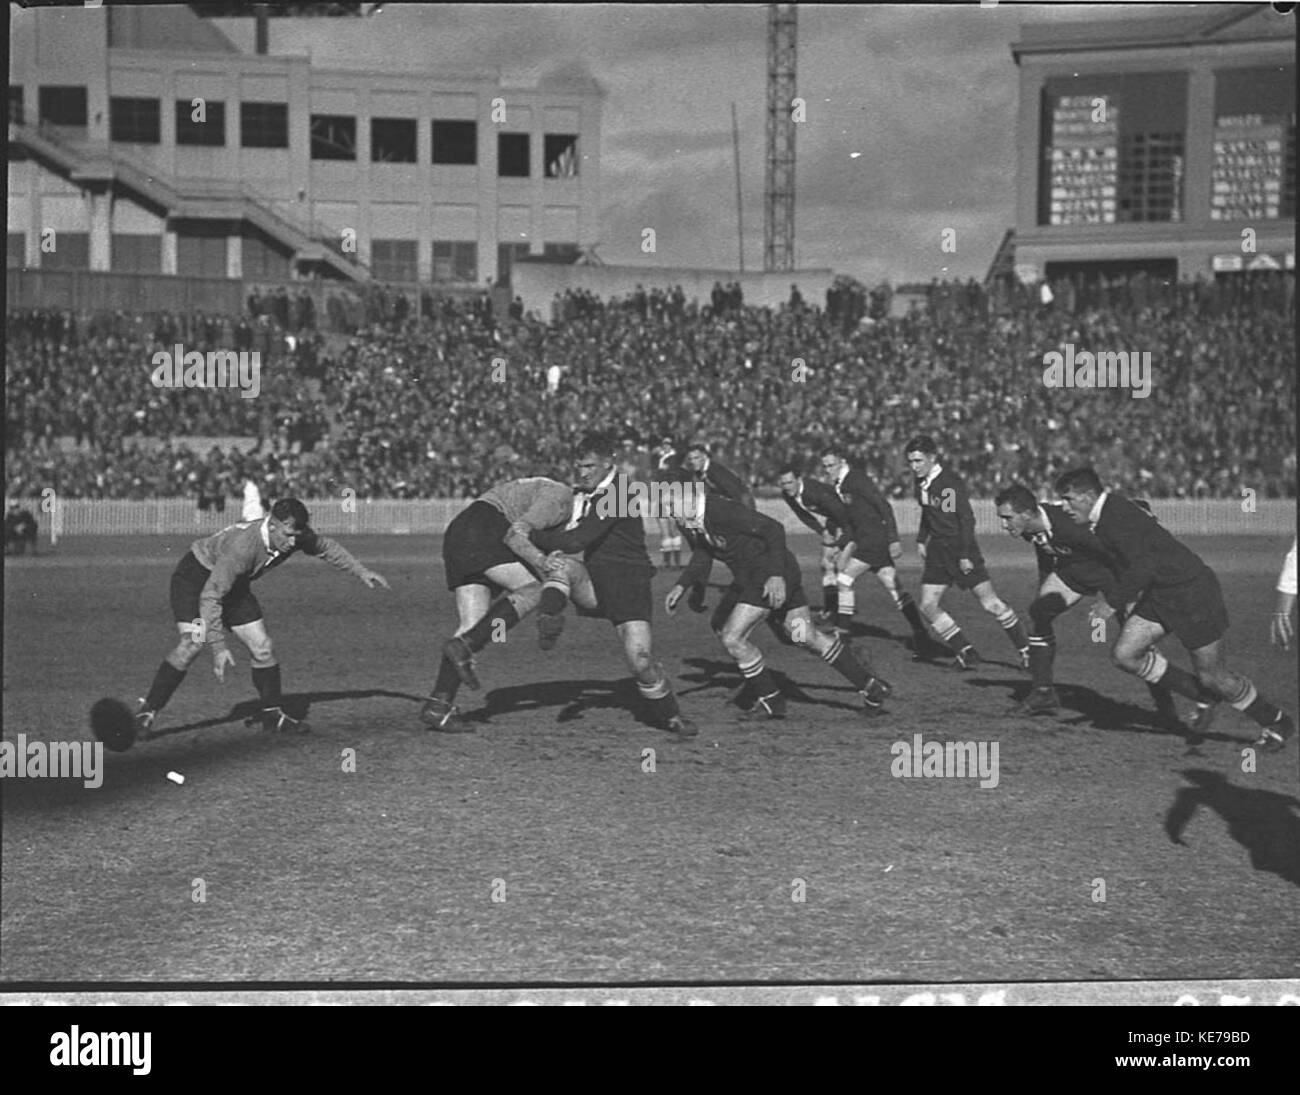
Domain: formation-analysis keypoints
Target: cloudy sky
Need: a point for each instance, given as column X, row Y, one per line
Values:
column 910, row 126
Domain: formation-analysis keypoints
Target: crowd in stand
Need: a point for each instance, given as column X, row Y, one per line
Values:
column 449, row 402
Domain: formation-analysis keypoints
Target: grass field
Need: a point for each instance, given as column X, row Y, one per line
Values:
column 610, row 872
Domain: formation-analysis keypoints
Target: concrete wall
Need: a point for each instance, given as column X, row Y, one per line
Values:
column 537, row 283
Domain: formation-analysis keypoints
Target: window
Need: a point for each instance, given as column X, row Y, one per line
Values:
column 507, row 253
column 71, row 252
column 17, row 249
column 264, row 125
column 455, row 260
column 16, row 103
column 512, row 155
column 393, row 260
column 62, row 106
column 333, row 137
column 1253, row 170
column 136, row 253
column 455, row 142
column 1151, row 177
column 392, row 140
column 561, row 158
column 561, row 252
column 210, row 131
column 133, row 121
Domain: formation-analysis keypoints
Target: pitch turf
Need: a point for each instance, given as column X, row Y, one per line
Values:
column 609, row 872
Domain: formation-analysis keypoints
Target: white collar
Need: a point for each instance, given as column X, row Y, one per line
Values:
column 1094, row 514
column 604, row 482
column 696, row 523
column 840, row 476
column 934, row 474
column 266, row 533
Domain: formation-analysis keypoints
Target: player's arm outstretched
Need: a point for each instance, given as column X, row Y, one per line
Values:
column 208, row 629
column 340, row 558
column 694, row 574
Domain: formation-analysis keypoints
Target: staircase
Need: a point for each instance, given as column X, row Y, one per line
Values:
column 199, row 199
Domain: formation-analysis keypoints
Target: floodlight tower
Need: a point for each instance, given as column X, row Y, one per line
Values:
column 778, row 183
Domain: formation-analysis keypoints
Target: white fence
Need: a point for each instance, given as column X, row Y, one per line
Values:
column 180, row 516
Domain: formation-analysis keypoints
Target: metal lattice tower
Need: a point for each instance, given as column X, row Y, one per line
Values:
column 778, row 181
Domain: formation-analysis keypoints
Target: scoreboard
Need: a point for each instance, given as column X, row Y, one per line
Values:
column 1083, row 170
column 1248, row 166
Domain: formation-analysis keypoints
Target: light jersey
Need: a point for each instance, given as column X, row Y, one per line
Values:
column 537, row 502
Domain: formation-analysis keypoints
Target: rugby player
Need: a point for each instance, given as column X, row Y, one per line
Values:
column 1071, row 563
column 668, row 463
column 765, row 581
column 872, row 545
column 946, row 543
column 486, row 548
column 717, row 478
column 1165, row 587
column 211, row 591
column 614, row 578
column 813, row 502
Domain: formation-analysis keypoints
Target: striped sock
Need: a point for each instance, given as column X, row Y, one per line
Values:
column 1015, row 630
column 1042, row 652
column 841, row 658
column 659, row 695
column 756, row 674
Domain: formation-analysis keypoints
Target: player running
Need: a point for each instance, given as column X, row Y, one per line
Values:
column 486, row 548
column 1165, row 587
column 946, row 542
column 872, row 545
column 211, row 592
column 615, row 581
column 1071, row 563
column 765, row 580
column 813, row 502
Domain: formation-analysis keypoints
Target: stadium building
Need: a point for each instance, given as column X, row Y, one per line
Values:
column 1164, row 145
column 156, row 140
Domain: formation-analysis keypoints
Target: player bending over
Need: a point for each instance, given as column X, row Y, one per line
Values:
column 1165, row 587
column 1071, row 563
column 946, row 543
column 872, row 544
column 813, row 502
column 765, row 580
column 487, row 548
column 211, row 591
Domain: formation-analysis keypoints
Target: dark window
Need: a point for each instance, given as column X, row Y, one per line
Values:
column 1253, row 171
column 506, row 255
column 263, row 258
column 201, row 250
column 17, row 249
column 455, row 260
column 455, row 142
column 264, row 125
column 333, row 137
column 133, row 121
column 62, row 106
column 1151, row 177
column 393, row 260
column 512, row 155
column 211, row 131
column 561, row 252
column 392, row 140
column 136, row 253
column 16, row 103
column 561, row 155
column 71, row 252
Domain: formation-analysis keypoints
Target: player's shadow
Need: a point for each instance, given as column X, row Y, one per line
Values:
column 573, row 698
column 1265, row 823
column 1101, row 712
column 710, row 675
column 295, row 704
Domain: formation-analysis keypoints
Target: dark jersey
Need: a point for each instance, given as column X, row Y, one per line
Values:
column 751, row 544
column 604, row 538
column 1147, row 555
column 1070, row 550
column 816, row 499
column 871, row 517
column 720, row 480
column 946, row 515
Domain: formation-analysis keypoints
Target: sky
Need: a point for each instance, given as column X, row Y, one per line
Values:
column 910, row 128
